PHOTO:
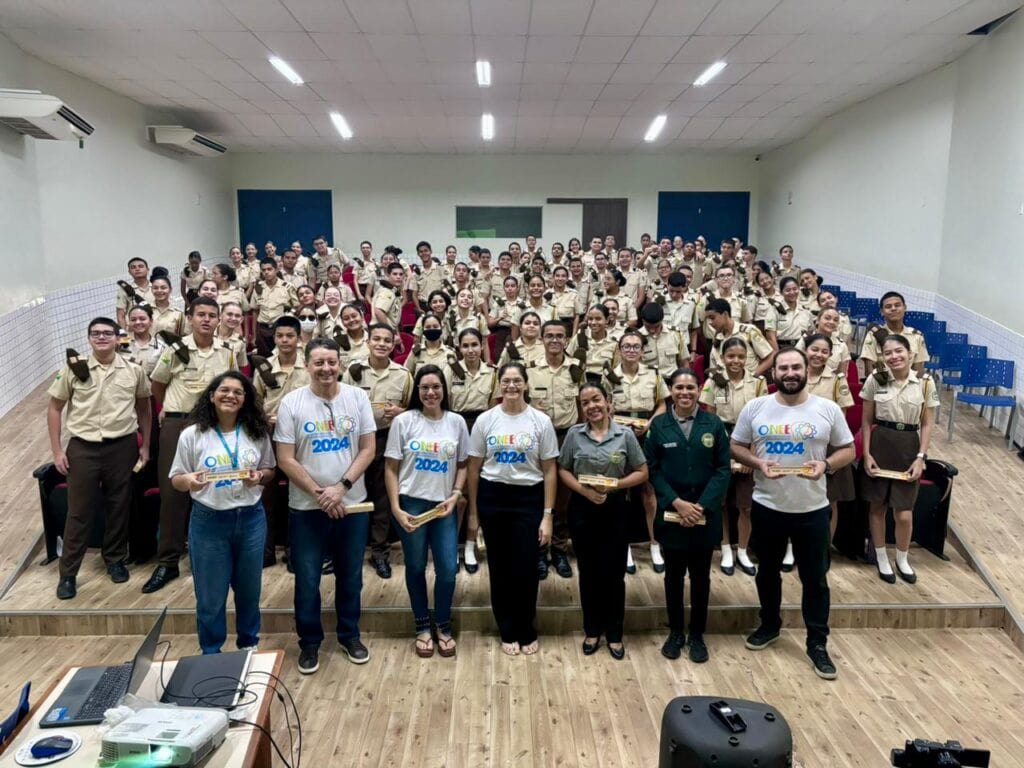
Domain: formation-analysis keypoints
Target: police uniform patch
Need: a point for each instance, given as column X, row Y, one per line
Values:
column 707, row 440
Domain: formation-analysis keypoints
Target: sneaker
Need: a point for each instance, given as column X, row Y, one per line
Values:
column 823, row 666
column 761, row 638
column 357, row 652
column 673, row 646
column 698, row 651
column 309, row 661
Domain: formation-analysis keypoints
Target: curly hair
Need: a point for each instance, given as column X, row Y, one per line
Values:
column 250, row 416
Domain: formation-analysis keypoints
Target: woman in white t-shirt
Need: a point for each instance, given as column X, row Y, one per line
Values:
column 511, row 483
column 425, row 467
column 228, row 435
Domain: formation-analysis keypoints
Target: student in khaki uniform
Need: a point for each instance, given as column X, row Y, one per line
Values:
column 765, row 304
column 810, row 286
column 131, row 293
column 225, row 277
column 534, row 302
column 562, row 298
column 901, row 406
column 179, row 378
column 657, row 286
column 614, row 282
column 786, row 268
column 528, row 347
column 664, row 348
column 284, row 372
column 351, row 336
column 430, row 349
column 594, row 347
column 637, row 392
column 229, row 331
column 333, row 280
column 581, row 284
column 166, row 317
column 680, row 308
column 505, row 311
column 827, row 324
column 725, row 393
column 141, row 345
column 428, row 277
column 193, row 275
column 244, row 276
column 323, row 258
column 438, row 305
column 387, row 301
column 552, row 386
column 472, row 389
column 828, row 300
column 292, row 272
column 725, row 289
column 793, row 321
column 720, row 317
column 108, row 402
column 636, row 279
column 271, row 298
column 893, row 307
column 824, row 381
column 389, row 386
column 463, row 315
column 329, row 312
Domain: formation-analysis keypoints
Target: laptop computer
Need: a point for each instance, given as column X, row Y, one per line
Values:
column 94, row 690
column 215, row 680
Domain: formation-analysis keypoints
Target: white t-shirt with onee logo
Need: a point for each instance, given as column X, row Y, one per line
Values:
column 326, row 435
column 429, row 452
column 204, row 452
column 513, row 447
column 791, row 435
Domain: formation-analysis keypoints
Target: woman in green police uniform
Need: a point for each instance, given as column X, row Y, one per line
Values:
column 688, row 460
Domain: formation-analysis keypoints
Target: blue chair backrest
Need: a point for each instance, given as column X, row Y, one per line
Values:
column 867, row 308
column 988, row 372
column 935, row 335
column 833, row 289
column 918, row 319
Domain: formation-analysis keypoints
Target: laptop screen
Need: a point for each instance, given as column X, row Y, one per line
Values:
column 144, row 657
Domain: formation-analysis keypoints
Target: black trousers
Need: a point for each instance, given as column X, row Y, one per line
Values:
column 175, row 506
column 377, row 492
column 98, row 471
column 696, row 561
column 511, row 515
column 809, row 532
column 265, row 339
column 599, row 538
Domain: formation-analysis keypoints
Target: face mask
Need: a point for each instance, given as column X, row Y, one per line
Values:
column 307, row 325
column 432, row 334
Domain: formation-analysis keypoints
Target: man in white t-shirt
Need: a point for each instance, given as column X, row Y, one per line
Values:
column 325, row 438
column 792, row 430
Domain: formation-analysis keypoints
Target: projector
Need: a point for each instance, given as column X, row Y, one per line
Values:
column 178, row 736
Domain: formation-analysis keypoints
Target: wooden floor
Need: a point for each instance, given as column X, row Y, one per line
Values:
column 559, row 708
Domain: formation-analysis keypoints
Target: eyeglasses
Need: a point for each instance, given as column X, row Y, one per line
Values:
column 102, row 334
column 549, row 337
column 512, row 382
column 631, row 347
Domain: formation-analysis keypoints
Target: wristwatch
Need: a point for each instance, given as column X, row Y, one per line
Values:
column 347, row 483
column 923, row 456
column 828, row 467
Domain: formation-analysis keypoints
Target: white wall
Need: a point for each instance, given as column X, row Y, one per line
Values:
column 403, row 199
column 866, row 189
column 78, row 214
column 983, row 236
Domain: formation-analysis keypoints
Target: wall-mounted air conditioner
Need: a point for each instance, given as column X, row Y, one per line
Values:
column 184, row 140
column 36, row 114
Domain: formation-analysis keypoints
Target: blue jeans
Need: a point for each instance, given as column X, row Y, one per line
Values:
column 226, row 549
column 442, row 538
column 313, row 535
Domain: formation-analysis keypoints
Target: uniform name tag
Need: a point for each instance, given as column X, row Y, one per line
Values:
column 671, row 445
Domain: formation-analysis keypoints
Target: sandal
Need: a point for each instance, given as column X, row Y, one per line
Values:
column 532, row 648
column 424, row 646
column 446, row 646
column 510, row 649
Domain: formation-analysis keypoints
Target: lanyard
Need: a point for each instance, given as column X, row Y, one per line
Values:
column 232, row 455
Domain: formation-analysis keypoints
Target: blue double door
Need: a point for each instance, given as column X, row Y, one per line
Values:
column 716, row 215
column 283, row 216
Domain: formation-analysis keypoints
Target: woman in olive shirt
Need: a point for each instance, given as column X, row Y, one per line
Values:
column 688, row 459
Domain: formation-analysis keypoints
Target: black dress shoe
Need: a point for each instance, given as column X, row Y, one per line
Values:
column 383, row 568
column 631, row 569
column 160, row 577
column 561, row 563
column 542, row 567
column 747, row 569
column 118, row 573
column 269, row 559
column 471, row 567
column 617, row 653
column 910, row 578
column 673, row 646
column 589, row 649
column 787, row 567
column 66, row 588
column 728, row 570
column 888, row 578
column 326, row 567
column 698, row 650
column 656, row 567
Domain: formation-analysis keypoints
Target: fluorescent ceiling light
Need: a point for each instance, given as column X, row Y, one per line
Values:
column 341, row 125
column 483, row 73
column 487, row 126
column 282, row 66
column 656, row 125
column 709, row 73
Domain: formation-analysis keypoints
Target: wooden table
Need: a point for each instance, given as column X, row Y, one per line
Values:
column 244, row 746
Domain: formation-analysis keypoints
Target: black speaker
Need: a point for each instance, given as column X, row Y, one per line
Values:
column 699, row 731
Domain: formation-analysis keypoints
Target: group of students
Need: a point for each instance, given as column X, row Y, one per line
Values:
column 579, row 390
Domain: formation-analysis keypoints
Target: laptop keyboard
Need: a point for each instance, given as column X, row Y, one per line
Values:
column 107, row 692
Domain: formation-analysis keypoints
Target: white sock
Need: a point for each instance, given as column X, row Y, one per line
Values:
column 902, row 561
column 469, row 553
column 788, row 558
column 726, row 556
column 629, row 557
column 656, row 557
column 883, row 561
column 743, row 558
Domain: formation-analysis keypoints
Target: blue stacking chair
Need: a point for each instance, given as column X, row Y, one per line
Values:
column 834, row 289
column 991, row 375
column 866, row 311
column 845, row 301
column 919, row 320
column 955, row 358
column 935, row 337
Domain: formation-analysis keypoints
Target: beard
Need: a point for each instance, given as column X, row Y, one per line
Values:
column 789, row 387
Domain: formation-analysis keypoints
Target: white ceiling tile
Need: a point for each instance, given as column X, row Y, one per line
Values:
column 545, row 72
column 785, row 92
column 442, row 17
column 614, row 17
column 566, row 126
column 339, row 46
column 622, row 91
column 581, row 91
column 274, row 107
column 708, row 92
column 636, row 73
column 661, row 92
column 606, row 107
column 224, row 70
column 209, row 89
column 600, row 127
column 252, row 90
column 454, row 74
column 536, row 108
column 237, row 44
column 759, row 48
column 291, row 46
column 735, row 17
column 167, row 88
column 447, row 48
column 165, row 42
column 757, row 108
column 772, row 73
column 322, row 15
column 452, row 107
column 196, row 104
column 500, row 17
column 295, row 125
column 263, row 15
column 551, row 48
column 396, row 108
column 540, row 91
column 560, row 17
column 718, row 109
column 590, row 73
column 361, row 72
column 569, row 108
column 633, row 127
column 734, row 127
column 705, row 49
column 679, row 74
column 654, row 49
column 701, row 127
column 377, row 17
column 743, row 93
column 396, row 47
column 500, row 48
column 970, row 16
column 673, row 17
column 406, row 72
column 602, row 49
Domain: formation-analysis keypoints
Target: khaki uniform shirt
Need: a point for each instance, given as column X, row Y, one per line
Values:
column 390, row 385
column 347, row 295
column 763, row 311
column 271, row 303
column 584, row 293
column 169, row 319
column 599, row 353
column 831, row 386
column 638, row 394
column 901, row 401
column 334, row 257
column 428, row 281
column 810, row 303
column 528, row 353
column 918, row 348
column 553, row 390
column 839, row 360
column 427, row 356
column 236, row 295
column 740, row 310
column 457, row 324
column 358, row 351
column 666, row 351
column 496, row 282
column 729, row 400
column 505, row 313
column 471, row 392
column 185, row 383
column 758, row 347
column 545, row 311
column 288, row 381
column 237, row 344
column 144, row 355
column 387, row 301
column 563, row 304
column 194, row 279
column 103, row 407
column 636, row 284
column 122, row 302
column 246, row 275
column 794, row 323
column 295, row 278
column 682, row 314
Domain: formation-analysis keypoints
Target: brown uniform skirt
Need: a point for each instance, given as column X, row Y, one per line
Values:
column 741, row 490
column 895, row 450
